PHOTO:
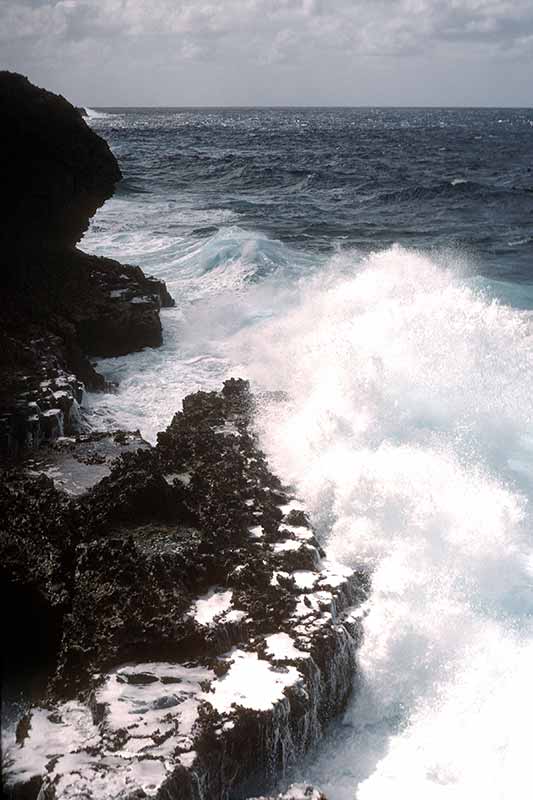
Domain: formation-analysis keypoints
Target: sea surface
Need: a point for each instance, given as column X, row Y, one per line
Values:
column 375, row 264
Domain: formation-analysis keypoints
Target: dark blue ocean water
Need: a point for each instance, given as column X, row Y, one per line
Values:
column 377, row 266
column 322, row 179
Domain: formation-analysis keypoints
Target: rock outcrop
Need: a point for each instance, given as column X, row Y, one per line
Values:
column 60, row 306
column 57, row 171
column 205, row 641
column 172, row 622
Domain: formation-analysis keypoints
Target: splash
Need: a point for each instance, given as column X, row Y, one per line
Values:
column 224, row 285
column 93, row 114
column 408, row 432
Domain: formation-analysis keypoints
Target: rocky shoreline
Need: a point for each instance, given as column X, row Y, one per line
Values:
column 177, row 631
column 60, row 306
column 203, row 640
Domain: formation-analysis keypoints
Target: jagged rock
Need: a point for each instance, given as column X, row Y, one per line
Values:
column 38, row 529
column 59, row 305
column 108, row 308
column 198, row 658
column 56, row 171
column 41, row 372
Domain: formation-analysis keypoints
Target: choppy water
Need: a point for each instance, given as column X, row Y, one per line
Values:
column 377, row 265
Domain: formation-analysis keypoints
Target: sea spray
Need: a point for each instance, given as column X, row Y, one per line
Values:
column 408, row 423
column 408, row 431
column 224, row 286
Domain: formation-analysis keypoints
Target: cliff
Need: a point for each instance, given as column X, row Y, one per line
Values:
column 57, row 171
column 59, row 305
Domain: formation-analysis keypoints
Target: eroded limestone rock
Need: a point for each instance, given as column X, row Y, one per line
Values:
column 208, row 641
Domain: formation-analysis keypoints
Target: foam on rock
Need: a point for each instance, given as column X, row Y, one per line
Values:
column 281, row 647
column 258, row 632
column 250, row 682
column 214, row 603
column 136, row 728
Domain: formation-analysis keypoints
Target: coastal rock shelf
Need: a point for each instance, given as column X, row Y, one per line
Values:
column 76, row 463
column 60, row 306
column 206, row 640
column 103, row 308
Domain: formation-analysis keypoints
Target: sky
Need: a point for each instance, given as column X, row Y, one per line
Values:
column 273, row 52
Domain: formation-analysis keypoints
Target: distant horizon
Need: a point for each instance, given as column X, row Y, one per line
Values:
column 307, row 106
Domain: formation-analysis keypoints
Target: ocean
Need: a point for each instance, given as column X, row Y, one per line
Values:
column 376, row 266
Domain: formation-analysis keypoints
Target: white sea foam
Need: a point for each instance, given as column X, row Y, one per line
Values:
column 214, row 282
column 409, row 428
column 282, row 648
column 93, row 114
column 211, row 605
column 408, row 433
column 250, row 682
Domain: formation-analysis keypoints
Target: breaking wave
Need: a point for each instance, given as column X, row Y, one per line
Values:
column 407, row 427
column 92, row 114
column 409, row 434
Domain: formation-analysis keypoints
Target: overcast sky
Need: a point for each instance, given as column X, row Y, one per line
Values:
column 279, row 52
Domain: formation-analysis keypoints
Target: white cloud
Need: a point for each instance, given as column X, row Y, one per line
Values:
column 253, row 34
column 370, row 25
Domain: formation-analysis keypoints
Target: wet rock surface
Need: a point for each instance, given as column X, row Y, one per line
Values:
column 205, row 640
column 76, row 463
column 60, row 306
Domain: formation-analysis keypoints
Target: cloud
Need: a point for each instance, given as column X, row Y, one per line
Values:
column 262, row 26
column 255, row 34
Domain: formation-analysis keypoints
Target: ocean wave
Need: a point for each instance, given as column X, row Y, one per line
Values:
column 317, row 177
column 443, row 191
column 408, row 432
column 92, row 113
column 223, row 284
column 260, row 255
column 520, row 242
column 128, row 186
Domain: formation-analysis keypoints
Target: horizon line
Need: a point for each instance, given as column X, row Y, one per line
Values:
column 311, row 106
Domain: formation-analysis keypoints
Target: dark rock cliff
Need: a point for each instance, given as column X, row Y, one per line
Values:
column 195, row 639
column 57, row 170
column 59, row 305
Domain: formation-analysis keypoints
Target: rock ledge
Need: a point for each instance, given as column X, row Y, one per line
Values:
column 251, row 633
column 60, row 306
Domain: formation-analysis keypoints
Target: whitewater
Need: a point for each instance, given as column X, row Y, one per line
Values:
column 403, row 415
column 407, row 430
column 409, row 435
